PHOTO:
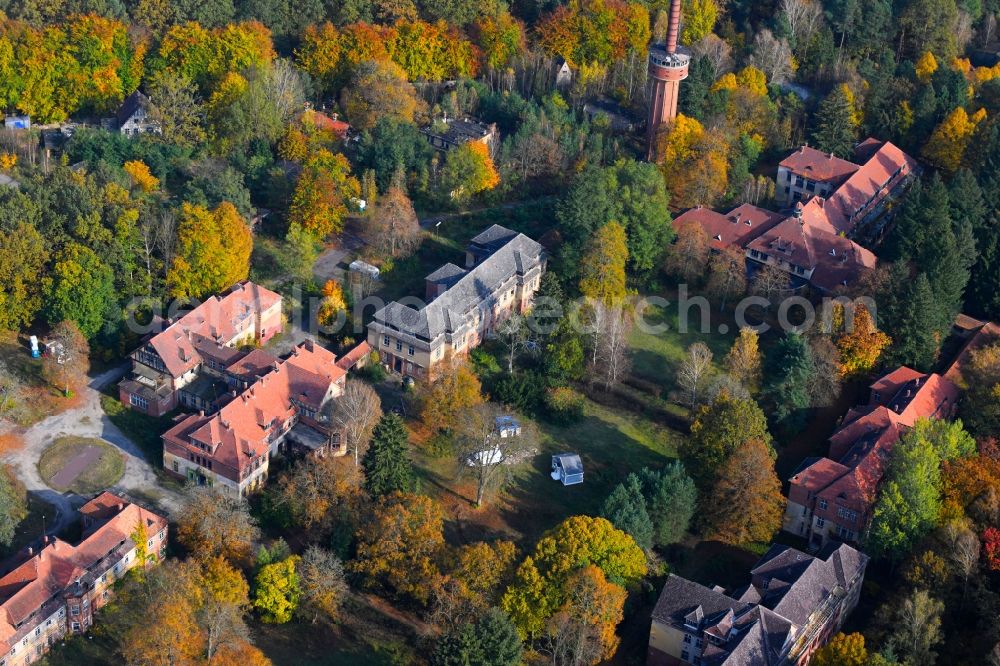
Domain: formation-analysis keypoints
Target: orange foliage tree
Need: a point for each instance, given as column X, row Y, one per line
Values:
column 324, row 188
column 588, row 31
column 860, row 347
column 747, row 503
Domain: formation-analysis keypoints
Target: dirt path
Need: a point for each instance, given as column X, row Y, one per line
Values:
column 87, row 420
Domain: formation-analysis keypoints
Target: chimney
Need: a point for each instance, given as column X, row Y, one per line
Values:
column 121, row 506
column 31, row 551
column 673, row 27
column 737, row 220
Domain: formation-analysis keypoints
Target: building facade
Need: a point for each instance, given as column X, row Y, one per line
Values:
column 55, row 589
column 792, row 605
column 831, row 499
column 450, row 133
column 133, row 117
column 188, row 363
column 462, row 306
column 289, row 404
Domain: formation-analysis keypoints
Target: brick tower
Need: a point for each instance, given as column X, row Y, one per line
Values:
column 668, row 66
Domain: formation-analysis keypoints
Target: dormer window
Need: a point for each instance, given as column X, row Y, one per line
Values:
column 833, row 252
column 718, row 237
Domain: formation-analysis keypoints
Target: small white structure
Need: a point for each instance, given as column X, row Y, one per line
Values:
column 486, row 458
column 507, row 426
column 35, row 351
column 364, row 269
column 568, row 468
column 17, row 122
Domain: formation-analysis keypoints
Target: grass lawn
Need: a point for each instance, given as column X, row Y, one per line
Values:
column 657, row 356
column 99, row 471
column 88, row 650
column 141, row 428
column 610, row 443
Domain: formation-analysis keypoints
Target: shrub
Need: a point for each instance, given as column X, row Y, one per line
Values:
column 564, row 405
column 525, row 391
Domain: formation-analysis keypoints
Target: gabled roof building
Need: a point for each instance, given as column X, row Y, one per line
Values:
column 832, row 498
column 830, row 199
column 289, row 402
column 186, row 363
column 55, row 588
column 792, row 605
column 462, row 306
column 133, row 117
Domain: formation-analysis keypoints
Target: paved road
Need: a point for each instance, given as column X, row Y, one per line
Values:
column 87, row 420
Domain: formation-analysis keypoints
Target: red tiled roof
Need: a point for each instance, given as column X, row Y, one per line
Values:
column 819, row 475
column 325, row 122
column 835, row 259
column 33, row 578
column 210, row 326
column 866, row 184
column 349, row 360
column 987, row 334
column 256, row 363
column 817, row 165
column 737, row 227
column 238, row 433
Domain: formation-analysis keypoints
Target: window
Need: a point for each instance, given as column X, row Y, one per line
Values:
column 684, row 655
column 805, row 511
column 176, row 468
column 822, row 504
column 847, row 514
column 138, row 401
column 399, row 346
column 385, row 340
column 410, row 350
column 76, row 626
column 687, row 638
column 74, row 611
column 820, row 522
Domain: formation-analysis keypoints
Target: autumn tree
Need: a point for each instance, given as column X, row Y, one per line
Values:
column 401, row 547
column 486, row 449
column 393, row 229
column 501, row 38
column 693, row 372
column 602, row 270
column 332, row 304
column 225, row 601
column 322, row 194
column 468, row 171
column 175, row 105
column 746, row 502
column 378, row 89
column 842, row 650
column 594, row 30
column 454, row 390
column 23, row 256
column 718, row 431
column 687, row 257
column 743, row 360
column 699, row 19
column 861, row 345
column 356, row 413
column 387, row 463
column 213, row 250
column 948, row 142
column 277, row 590
column 582, row 631
column 213, row 524
column 140, row 175
column 727, row 275
column 307, row 494
column 476, row 577
column 155, row 619
column 68, row 361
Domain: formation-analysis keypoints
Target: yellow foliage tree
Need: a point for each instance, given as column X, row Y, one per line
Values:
column 7, row 161
column 946, row 146
column 926, row 66
column 752, row 79
column 725, row 82
column 602, row 269
column 213, row 250
column 141, row 176
column 322, row 192
column 456, row 389
column 699, row 19
column 332, row 303
column 860, row 347
column 842, row 650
